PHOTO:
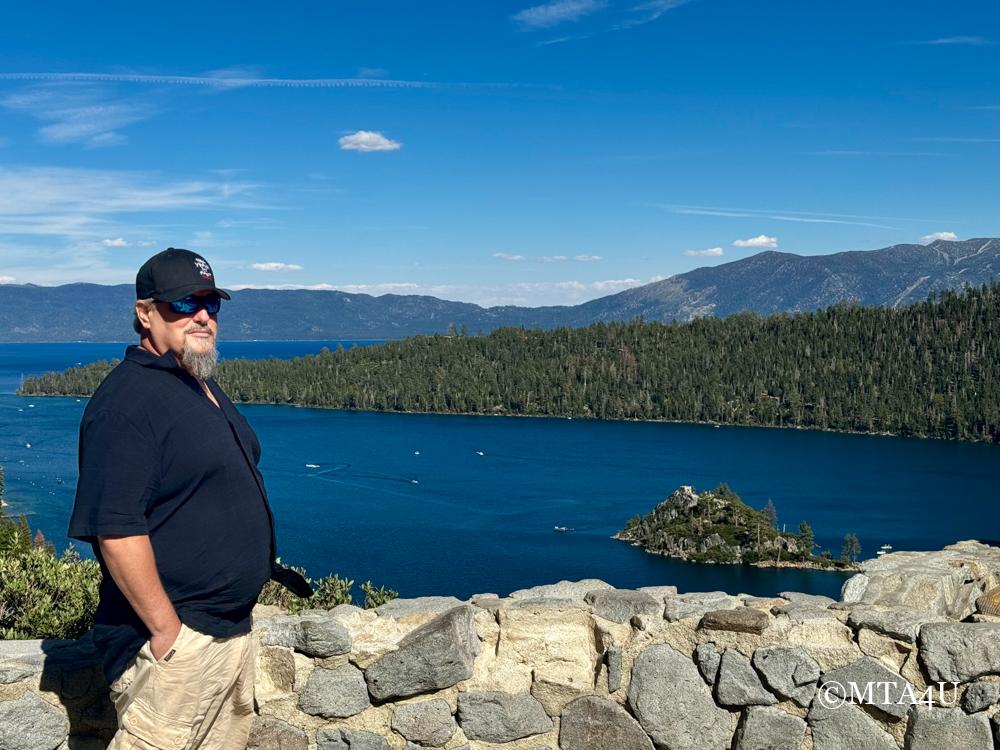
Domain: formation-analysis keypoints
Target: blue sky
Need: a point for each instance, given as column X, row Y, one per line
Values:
column 495, row 152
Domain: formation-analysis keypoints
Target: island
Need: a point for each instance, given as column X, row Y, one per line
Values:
column 717, row 526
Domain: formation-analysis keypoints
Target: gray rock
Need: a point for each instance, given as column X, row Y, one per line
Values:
column 846, row 727
column 436, row 655
column 421, row 605
column 946, row 582
column 742, row 620
column 563, row 590
column 501, row 717
column 335, row 693
column 889, row 692
column 348, row 739
column 20, row 660
column 979, row 696
column 323, row 636
column 346, row 610
column 29, row 723
column 704, row 597
column 707, row 658
column 613, row 661
column 760, row 602
column 933, row 728
column 789, row 672
column 800, row 613
column 739, row 684
column 268, row 733
column 854, row 588
column 697, row 605
column 960, row 651
column 620, row 605
column 426, row 723
column 280, row 630
column 489, row 602
column 659, row 592
column 766, row 728
column 549, row 602
column 673, row 704
column 901, row 623
column 813, row 600
column 593, row 722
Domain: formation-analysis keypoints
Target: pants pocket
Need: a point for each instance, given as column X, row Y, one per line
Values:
column 155, row 728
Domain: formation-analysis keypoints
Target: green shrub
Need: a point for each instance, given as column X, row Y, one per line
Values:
column 329, row 592
column 47, row 596
column 376, row 597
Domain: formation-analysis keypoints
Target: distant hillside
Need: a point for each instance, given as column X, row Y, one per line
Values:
column 929, row 369
column 765, row 283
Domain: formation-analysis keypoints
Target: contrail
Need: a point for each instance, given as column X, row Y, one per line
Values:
column 232, row 82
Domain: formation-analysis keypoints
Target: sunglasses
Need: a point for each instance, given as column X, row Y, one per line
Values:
column 191, row 304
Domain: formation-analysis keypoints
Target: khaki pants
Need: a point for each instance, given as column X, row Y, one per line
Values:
column 198, row 697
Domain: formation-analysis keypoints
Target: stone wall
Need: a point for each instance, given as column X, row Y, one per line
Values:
column 584, row 666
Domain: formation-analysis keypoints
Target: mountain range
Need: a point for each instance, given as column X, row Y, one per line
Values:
column 765, row 283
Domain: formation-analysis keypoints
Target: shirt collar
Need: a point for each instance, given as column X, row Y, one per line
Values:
column 140, row 356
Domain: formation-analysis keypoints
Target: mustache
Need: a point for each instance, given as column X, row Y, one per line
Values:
column 198, row 328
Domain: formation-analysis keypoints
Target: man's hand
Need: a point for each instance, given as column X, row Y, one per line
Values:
column 132, row 566
column 160, row 643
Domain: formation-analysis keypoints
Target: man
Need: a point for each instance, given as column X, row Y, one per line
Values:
column 172, row 501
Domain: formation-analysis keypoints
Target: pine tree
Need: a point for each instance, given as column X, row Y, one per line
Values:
column 852, row 548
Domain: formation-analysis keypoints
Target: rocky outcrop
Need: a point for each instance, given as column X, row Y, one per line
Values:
column 583, row 666
column 716, row 526
column 947, row 582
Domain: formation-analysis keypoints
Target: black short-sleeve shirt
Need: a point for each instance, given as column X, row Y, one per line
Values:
column 157, row 457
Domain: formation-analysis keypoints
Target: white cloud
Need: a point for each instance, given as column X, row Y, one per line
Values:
column 648, row 12
column 84, row 194
column 975, row 41
column 116, row 242
column 276, row 266
column 222, row 79
column 54, row 221
column 76, row 113
column 711, row 252
column 367, row 141
column 549, row 258
column 556, row 12
column 761, row 240
column 615, row 285
column 7, row 279
column 809, row 217
column 939, row 236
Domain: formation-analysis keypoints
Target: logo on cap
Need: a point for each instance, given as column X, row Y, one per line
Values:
column 203, row 268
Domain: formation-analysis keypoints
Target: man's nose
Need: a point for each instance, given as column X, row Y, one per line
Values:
column 202, row 316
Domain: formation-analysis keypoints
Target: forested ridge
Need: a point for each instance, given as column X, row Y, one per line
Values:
column 929, row 369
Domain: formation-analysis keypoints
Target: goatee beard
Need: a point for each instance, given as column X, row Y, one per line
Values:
column 200, row 362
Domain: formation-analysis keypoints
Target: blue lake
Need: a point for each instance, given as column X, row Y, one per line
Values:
column 431, row 504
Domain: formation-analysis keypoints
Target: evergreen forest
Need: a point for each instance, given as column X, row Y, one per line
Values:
column 930, row 369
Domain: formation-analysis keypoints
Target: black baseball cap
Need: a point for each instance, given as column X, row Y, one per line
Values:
column 174, row 274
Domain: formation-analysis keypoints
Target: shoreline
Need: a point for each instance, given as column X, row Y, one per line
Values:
column 569, row 417
column 848, row 568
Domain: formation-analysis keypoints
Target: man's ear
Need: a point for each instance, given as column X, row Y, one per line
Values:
column 142, row 313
